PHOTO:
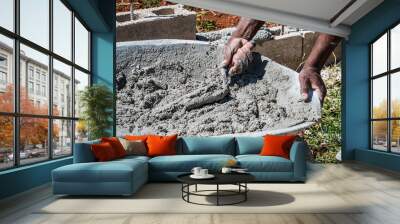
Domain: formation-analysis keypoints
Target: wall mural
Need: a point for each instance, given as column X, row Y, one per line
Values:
column 169, row 77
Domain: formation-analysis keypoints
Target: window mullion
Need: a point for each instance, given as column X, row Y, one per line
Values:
column 50, row 81
column 389, row 104
column 73, row 82
column 16, row 69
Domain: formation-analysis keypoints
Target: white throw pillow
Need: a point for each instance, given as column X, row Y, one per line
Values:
column 137, row 148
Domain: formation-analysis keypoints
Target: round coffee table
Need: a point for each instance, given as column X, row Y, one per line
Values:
column 238, row 179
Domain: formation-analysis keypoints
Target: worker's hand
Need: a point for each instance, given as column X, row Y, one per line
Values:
column 310, row 79
column 237, row 55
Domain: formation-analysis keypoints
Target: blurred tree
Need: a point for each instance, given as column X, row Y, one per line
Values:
column 33, row 130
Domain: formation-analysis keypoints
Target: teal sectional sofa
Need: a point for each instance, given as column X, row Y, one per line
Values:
column 125, row 176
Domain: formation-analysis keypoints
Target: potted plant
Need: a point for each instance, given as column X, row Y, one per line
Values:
column 96, row 103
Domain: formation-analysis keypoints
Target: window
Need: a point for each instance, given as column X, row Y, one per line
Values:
column 7, row 14
column 6, row 74
column 62, row 75
column 30, row 72
column 81, row 45
column 30, row 88
column 62, row 137
column 62, row 29
column 3, row 71
column 3, row 61
column 385, row 94
column 38, row 74
column 3, row 78
column 44, row 91
column 35, row 21
column 81, row 82
column 6, row 142
column 47, row 76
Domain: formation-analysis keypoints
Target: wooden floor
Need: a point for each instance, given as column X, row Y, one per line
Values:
column 377, row 188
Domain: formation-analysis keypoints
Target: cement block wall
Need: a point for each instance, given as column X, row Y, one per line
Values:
column 292, row 49
column 165, row 22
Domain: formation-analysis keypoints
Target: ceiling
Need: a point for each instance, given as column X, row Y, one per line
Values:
column 327, row 16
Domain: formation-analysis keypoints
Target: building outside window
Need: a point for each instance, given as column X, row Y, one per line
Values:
column 37, row 74
column 30, row 72
column 385, row 91
column 43, row 77
column 3, row 71
column 43, row 90
column 30, row 87
column 57, row 127
column 38, row 89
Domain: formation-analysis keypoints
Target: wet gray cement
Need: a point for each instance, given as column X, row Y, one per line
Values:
column 176, row 86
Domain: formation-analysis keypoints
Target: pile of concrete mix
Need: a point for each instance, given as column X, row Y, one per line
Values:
column 176, row 86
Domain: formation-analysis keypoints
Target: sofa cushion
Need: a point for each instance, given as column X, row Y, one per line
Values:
column 185, row 163
column 116, row 145
column 249, row 145
column 257, row 163
column 206, row 145
column 103, row 152
column 112, row 171
column 277, row 145
column 134, row 147
column 161, row 145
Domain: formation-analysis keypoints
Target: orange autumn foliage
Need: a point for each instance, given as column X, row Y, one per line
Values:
column 33, row 130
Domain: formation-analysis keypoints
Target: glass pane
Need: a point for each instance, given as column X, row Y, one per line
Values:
column 379, row 56
column 62, row 29
column 62, row 138
column 34, row 97
column 81, row 131
column 81, row 45
column 35, row 21
column 81, row 81
column 395, row 47
column 395, row 94
column 62, row 89
column 395, row 138
column 7, row 14
column 379, row 135
column 6, row 142
column 379, row 97
column 33, row 139
column 6, row 74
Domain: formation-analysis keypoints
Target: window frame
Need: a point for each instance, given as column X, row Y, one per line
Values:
column 16, row 114
column 388, row 74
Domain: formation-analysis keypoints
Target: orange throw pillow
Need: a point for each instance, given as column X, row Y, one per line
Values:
column 136, row 137
column 103, row 152
column 161, row 145
column 116, row 145
column 277, row 145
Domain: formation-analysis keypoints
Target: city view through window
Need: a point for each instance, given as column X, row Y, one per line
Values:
column 385, row 82
column 39, row 113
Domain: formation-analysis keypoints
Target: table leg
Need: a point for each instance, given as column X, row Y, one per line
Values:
column 245, row 193
column 188, row 190
column 195, row 188
column 217, row 194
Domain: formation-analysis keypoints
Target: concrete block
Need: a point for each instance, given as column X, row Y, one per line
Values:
column 165, row 22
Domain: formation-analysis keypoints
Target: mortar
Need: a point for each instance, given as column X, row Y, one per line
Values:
column 176, row 86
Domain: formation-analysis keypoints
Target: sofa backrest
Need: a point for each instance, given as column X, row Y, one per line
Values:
column 83, row 152
column 249, row 145
column 206, row 145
